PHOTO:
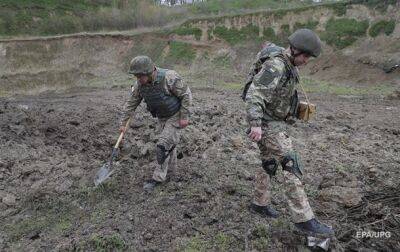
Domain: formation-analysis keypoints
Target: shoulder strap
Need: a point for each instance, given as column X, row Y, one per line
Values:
column 268, row 52
column 160, row 74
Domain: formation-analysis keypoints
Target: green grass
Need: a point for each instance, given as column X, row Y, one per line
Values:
column 383, row 26
column 181, row 53
column 234, row 36
column 261, row 237
column 329, row 88
column 223, row 242
column 310, row 24
column 58, row 221
column 51, row 17
column 194, row 244
column 112, row 242
column 344, row 31
column 380, row 5
column 235, row 6
column 184, row 30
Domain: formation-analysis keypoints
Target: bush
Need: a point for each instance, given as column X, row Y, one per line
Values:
column 234, row 36
column 188, row 31
column 344, row 32
column 382, row 26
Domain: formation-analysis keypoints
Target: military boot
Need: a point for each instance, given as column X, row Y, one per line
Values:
column 265, row 211
column 150, row 184
column 314, row 227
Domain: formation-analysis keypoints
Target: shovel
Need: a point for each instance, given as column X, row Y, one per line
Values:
column 107, row 170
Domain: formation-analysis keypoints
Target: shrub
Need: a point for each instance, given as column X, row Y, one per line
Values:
column 188, row 31
column 382, row 26
column 234, row 36
column 344, row 32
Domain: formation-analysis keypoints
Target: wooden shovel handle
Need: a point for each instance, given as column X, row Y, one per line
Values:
column 122, row 134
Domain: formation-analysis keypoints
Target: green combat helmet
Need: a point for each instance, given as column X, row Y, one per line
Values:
column 141, row 65
column 306, row 41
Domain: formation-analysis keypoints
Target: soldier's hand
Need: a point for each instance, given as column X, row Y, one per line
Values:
column 183, row 123
column 255, row 134
column 122, row 129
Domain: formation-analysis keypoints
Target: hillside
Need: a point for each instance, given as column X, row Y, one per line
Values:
column 52, row 17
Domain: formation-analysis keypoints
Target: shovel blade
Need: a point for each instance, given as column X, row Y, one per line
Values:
column 104, row 173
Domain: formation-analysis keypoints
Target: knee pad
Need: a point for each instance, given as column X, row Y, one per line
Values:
column 291, row 163
column 270, row 166
column 162, row 154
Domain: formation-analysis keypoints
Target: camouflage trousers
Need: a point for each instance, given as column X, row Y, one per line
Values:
column 276, row 143
column 168, row 136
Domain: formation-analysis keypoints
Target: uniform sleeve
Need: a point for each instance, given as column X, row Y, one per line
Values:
column 130, row 106
column 178, row 88
column 262, row 90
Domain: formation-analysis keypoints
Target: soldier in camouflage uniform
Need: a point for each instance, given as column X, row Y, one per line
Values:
column 271, row 102
column 167, row 98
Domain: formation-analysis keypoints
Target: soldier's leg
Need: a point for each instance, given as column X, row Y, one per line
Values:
column 262, row 195
column 172, row 162
column 165, row 149
column 299, row 206
column 262, row 179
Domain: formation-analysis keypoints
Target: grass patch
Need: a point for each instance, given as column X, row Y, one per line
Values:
column 380, row 5
column 27, row 226
column 311, row 24
column 339, row 8
column 180, row 52
column 233, row 86
column 344, row 32
column 236, row 6
column 188, row 31
column 64, row 225
column 153, row 49
column 112, row 242
column 49, row 216
column 325, row 87
column 223, row 61
column 223, row 242
column 194, row 244
column 261, row 237
column 234, row 36
column 382, row 26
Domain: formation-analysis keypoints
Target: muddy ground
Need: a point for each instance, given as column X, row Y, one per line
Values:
column 52, row 144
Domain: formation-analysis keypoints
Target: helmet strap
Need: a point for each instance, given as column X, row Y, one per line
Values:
column 294, row 55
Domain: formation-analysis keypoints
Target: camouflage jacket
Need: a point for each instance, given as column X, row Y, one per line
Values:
column 272, row 90
column 173, row 85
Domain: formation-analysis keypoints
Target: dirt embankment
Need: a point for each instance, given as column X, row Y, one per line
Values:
column 32, row 65
column 53, row 144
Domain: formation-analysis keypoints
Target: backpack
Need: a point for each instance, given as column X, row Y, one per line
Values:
column 268, row 51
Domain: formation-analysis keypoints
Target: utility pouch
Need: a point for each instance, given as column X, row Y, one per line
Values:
column 306, row 111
